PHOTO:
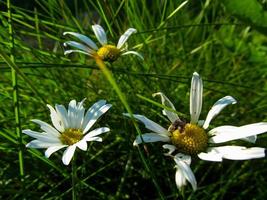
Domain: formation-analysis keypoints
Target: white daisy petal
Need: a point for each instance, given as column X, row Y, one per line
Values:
column 149, row 124
column 150, row 137
column 79, row 46
column 97, row 139
column 62, row 112
column 183, row 165
column 91, row 111
column 196, row 97
column 75, row 114
column 55, row 118
column 46, row 127
column 72, row 113
column 125, row 37
column 244, row 153
column 41, row 136
column 83, row 38
column 166, row 102
column 210, row 155
column 179, row 179
column 133, row 52
column 77, row 51
column 53, row 149
column 96, row 132
column 217, row 107
column 170, row 147
column 237, row 152
column 37, row 144
column 82, row 144
column 251, row 139
column 94, row 117
column 228, row 133
column 68, row 154
column 100, row 34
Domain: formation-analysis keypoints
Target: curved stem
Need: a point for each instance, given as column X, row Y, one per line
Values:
column 73, row 178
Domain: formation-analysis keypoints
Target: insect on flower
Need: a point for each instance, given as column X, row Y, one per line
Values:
column 191, row 139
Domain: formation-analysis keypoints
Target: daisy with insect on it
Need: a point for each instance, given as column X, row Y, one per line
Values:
column 71, row 129
column 191, row 139
column 107, row 52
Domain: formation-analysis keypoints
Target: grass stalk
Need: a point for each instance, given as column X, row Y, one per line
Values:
column 15, row 95
column 122, row 98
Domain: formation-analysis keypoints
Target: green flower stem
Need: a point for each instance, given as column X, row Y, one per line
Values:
column 15, row 95
column 121, row 96
column 74, row 178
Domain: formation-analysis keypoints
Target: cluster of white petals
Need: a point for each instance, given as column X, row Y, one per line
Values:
column 74, row 118
column 216, row 135
column 89, row 47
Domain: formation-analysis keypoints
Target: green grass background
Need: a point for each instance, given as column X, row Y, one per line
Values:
column 202, row 36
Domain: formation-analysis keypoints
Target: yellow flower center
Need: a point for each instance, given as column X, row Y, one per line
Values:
column 188, row 138
column 71, row 136
column 108, row 53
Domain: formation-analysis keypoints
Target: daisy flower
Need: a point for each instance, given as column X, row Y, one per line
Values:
column 107, row 52
column 71, row 129
column 191, row 139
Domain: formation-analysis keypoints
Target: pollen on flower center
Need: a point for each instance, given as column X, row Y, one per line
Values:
column 71, row 136
column 108, row 53
column 189, row 138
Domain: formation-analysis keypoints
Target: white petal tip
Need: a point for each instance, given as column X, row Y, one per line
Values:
column 195, row 74
column 135, row 143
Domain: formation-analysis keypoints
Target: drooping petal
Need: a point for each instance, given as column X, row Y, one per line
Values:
column 94, row 117
column 96, row 132
column 82, row 144
column 228, row 133
column 232, row 153
column 183, row 165
column 133, row 52
column 170, row 147
column 55, row 118
column 46, row 127
column 95, row 107
column 125, row 37
column 217, row 107
column 83, row 38
column 196, row 97
column 79, row 46
column 179, row 179
column 68, row 154
column 100, row 34
column 53, row 149
column 166, row 102
column 44, row 137
column 149, row 124
column 37, row 144
column 150, row 137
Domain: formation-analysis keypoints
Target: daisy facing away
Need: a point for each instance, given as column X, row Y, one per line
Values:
column 106, row 52
column 71, row 129
column 191, row 139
